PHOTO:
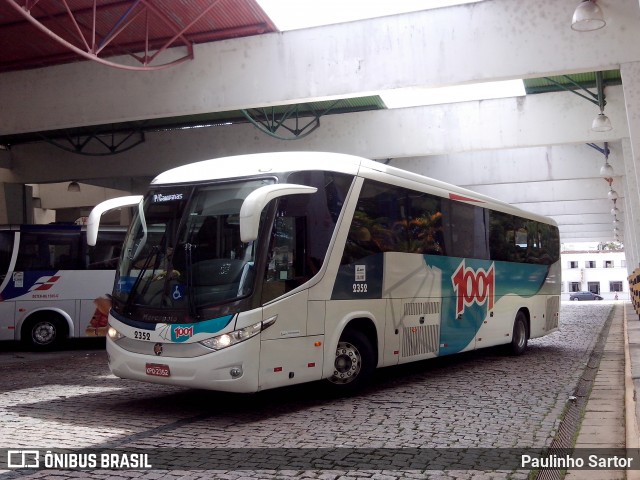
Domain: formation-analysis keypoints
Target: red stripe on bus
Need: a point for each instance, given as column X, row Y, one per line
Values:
column 455, row 196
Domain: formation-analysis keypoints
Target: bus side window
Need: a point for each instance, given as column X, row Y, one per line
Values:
column 102, row 257
column 30, row 256
column 65, row 252
column 6, row 247
column 502, row 236
column 49, row 251
column 394, row 219
column 519, row 240
column 302, row 231
column 285, row 267
column 379, row 222
column 106, row 252
column 426, row 233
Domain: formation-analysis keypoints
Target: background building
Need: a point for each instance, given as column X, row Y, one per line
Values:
column 603, row 272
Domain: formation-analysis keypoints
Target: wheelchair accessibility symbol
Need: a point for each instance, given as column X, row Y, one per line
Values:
column 178, row 292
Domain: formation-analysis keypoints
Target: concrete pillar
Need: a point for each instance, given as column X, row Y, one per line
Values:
column 16, row 204
column 631, row 207
column 630, row 73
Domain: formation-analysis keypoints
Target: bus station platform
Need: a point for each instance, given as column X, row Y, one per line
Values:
column 612, row 410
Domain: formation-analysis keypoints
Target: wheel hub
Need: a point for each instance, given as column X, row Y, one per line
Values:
column 44, row 333
column 347, row 363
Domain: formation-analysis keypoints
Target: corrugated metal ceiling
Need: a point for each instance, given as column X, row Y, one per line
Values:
column 570, row 82
column 24, row 46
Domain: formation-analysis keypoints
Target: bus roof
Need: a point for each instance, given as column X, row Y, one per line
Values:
column 252, row 165
column 259, row 164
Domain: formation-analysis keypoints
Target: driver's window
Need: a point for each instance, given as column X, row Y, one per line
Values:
column 282, row 250
column 286, row 259
column 302, row 231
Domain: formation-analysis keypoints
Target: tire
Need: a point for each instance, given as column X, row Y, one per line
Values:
column 574, row 299
column 519, row 337
column 354, row 363
column 44, row 331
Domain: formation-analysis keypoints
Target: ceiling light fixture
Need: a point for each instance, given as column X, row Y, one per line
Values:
column 614, row 210
column 606, row 170
column 611, row 194
column 601, row 123
column 73, row 187
column 587, row 17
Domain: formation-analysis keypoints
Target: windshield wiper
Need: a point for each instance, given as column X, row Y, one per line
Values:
column 188, row 248
column 132, row 293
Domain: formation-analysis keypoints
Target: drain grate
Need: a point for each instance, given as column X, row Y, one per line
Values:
column 570, row 424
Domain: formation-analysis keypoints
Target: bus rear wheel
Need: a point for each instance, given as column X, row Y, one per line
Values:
column 44, row 331
column 520, row 336
column 353, row 365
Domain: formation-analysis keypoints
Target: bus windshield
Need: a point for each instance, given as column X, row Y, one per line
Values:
column 184, row 250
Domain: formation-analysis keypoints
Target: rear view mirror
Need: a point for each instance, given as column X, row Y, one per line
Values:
column 93, row 222
column 258, row 199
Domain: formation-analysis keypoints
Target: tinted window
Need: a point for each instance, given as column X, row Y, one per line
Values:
column 425, row 229
column 516, row 239
column 302, row 231
column 394, row 219
column 104, row 255
column 467, row 232
column 46, row 250
column 6, row 247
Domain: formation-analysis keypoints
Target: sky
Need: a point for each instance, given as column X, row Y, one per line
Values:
column 296, row 14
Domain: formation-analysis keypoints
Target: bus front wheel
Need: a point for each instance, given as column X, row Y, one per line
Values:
column 44, row 331
column 520, row 336
column 353, row 364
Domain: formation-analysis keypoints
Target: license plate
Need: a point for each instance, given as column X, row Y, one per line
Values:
column 158, row 370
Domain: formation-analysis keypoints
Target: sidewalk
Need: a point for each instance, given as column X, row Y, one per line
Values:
column 632, row 382
column 610, row 417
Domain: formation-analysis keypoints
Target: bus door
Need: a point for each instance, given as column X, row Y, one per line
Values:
column 7, row 309
column 291, row 350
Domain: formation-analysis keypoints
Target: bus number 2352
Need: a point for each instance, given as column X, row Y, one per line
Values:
column 359, row 288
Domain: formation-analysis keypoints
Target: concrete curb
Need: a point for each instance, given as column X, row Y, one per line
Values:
column 631, row 421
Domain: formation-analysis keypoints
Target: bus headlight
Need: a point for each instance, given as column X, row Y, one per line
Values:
column 114, row 334
column 228, row 339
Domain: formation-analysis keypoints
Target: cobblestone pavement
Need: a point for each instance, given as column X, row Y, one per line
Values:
column 481, row 399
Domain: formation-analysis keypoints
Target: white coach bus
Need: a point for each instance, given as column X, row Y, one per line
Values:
column 52, row 286
column 253, row 272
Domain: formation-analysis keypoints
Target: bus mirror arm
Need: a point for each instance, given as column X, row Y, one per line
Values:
column 93, row 222
column 258, row 199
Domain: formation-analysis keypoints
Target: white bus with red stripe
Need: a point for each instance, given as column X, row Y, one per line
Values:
column 52, row 285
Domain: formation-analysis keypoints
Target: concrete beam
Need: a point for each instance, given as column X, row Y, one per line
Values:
column 514, row 165
column 486, row 139
column 552, row 191
column 568, row 207
column 604, row 218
